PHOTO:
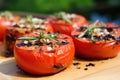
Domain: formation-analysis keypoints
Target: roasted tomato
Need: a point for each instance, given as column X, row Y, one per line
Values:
column 42, row 53
column 65, row 23
column 6, row 20
column 23, row 26
column 97, row 40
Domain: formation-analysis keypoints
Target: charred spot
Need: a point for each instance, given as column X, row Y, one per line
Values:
column 64, row 43
column 23, row 44
column 108, row 37
column 58, row 66
column 20, row 45
column 16, row 31
column 29, row 44
column 65, row 38
column 49, row 33
column 40, row 28
column 86, row 36
column 98, row 38
column 50, row 43
column 58, row 32
column 38, row 43
column 83, row 28
column 118, row 39
column 16, row 25
column 10, row 37
column 110, row 29
column 75, row 36
column 27, row 31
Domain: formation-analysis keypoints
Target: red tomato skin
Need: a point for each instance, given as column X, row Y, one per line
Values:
column 42, row 63
column 67, row 28
column 11, row 35
column 99, row 50
column 49, row 28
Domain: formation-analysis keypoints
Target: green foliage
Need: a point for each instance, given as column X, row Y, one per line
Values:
column 46, row 6
column 52, row 6
column 83, row 3
column 114, row 2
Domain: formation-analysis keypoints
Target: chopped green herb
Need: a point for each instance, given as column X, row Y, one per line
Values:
column 89, row 30
column 27, row 38
column 6, row 14
column 48, row 36
column 63, row 16
column 42, row 36
column 29, row 18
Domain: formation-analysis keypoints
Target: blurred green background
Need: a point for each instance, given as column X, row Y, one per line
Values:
column 84, row 7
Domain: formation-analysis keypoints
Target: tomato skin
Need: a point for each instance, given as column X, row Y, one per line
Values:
column 67, row 28
column 11, row 35
column 98, row 50
column 42, row 63
column 49, row 28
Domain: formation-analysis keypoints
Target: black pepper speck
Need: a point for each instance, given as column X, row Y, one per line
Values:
column 90, row 64
column 85, row 68
column 76, row 63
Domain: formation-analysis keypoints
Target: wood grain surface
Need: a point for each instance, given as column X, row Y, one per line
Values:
column 103, row 70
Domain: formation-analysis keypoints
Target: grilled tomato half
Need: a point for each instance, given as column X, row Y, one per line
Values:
column 24, row 25
column 66, row 22
column 97, row 40
column 43, row 53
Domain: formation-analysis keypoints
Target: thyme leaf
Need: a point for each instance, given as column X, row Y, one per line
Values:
column 29, row 18
column 41, row 36
column 28, row 38
column 6, row 14
column 89, row 31
column 63, row 16
column 48, row 36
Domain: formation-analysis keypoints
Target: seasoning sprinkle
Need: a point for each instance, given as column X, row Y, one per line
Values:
column 90, row 64
column 85, row 68
column 76, row 63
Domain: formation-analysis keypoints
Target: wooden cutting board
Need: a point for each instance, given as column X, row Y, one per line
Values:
column 103, row 70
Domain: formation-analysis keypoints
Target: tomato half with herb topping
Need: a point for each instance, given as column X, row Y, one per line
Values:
column 6, row 20
column 24, row 25
column 97, row 40
column 42, row 53
column 65, row 22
